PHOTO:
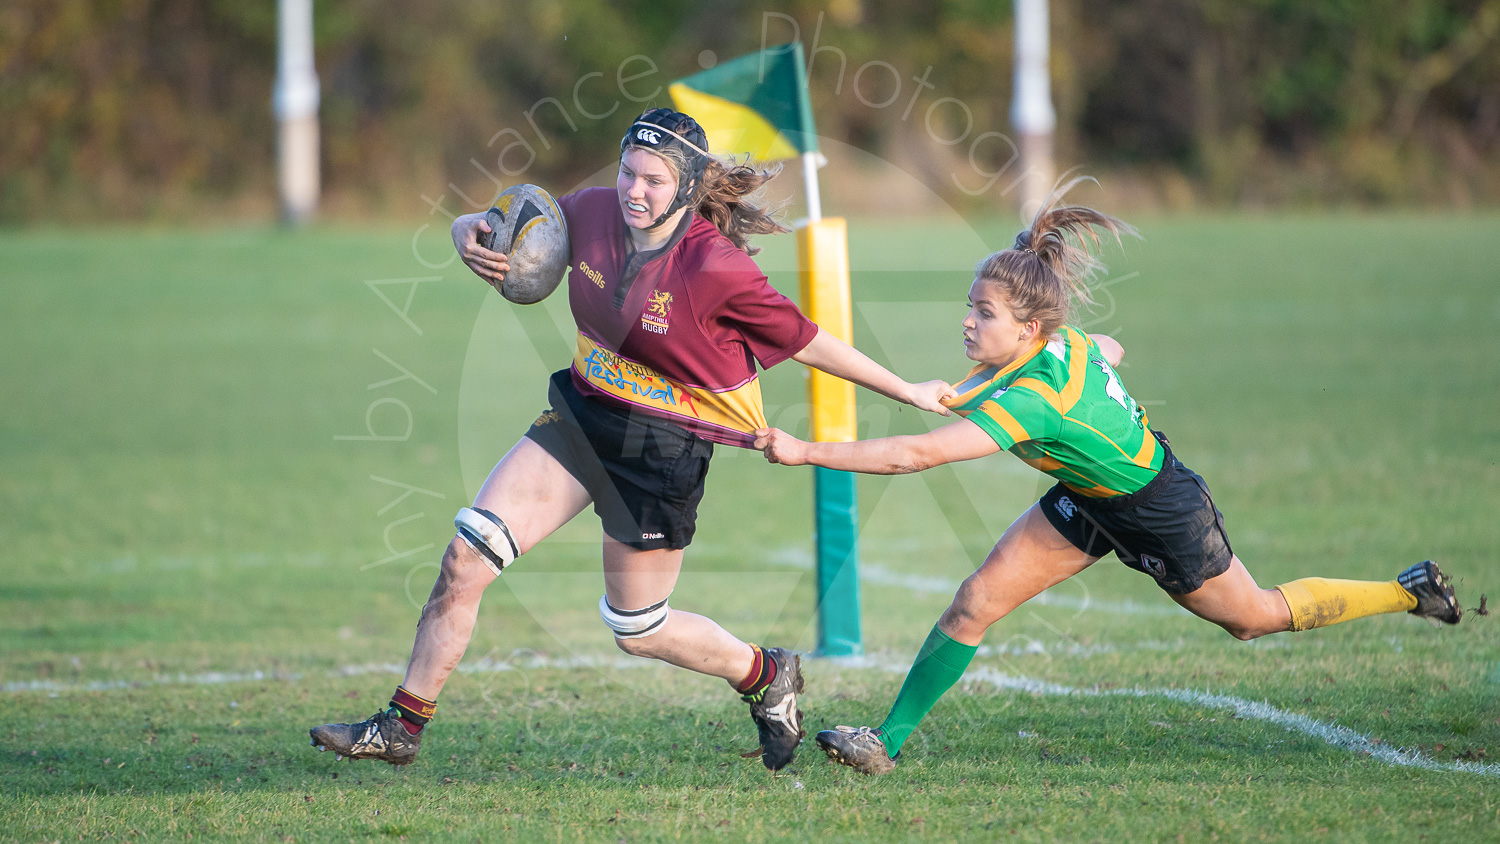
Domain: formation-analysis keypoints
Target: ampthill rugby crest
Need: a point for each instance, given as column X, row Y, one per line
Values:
column 658, row 312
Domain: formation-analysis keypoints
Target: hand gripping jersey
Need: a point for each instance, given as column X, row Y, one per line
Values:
column 676, row 332
column 1062, row 409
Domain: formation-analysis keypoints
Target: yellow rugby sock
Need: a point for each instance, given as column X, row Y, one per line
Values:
column 1319, row 601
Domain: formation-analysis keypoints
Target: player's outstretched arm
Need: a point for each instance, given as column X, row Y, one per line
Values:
column 960, row 440
column 835, row 357
column 1110, row 347
column 490, row 266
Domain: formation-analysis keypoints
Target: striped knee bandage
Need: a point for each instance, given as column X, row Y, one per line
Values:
column 633, row 624
column 487, row 534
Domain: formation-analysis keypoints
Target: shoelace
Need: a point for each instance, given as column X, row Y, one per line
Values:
column 870, row 733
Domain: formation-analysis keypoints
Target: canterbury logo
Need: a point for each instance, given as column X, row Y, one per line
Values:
column 650, row 137
column 1066, row 507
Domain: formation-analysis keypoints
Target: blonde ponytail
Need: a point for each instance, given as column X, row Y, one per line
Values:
column 1046, row 275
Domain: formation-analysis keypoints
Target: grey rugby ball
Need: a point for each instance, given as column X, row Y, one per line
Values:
column 528, row 228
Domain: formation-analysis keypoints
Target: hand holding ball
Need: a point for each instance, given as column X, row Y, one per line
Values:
column 527, row 226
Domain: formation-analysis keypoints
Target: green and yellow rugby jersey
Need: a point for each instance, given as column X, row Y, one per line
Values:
column 1062, row 409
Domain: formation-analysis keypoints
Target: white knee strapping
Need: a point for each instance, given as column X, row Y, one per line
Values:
column 489, row 536
column 633, row 624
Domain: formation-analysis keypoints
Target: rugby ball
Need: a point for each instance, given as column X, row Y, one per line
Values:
column 528, row 228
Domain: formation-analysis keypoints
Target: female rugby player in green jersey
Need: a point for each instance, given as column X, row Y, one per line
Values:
column 673, row 319
column 1048, row 393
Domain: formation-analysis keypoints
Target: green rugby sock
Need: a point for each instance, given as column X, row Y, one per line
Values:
column 939, row 664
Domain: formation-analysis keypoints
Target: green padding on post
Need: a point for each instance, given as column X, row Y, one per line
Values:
column 838, row 563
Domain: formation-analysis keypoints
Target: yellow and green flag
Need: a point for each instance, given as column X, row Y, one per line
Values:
column 755, row 104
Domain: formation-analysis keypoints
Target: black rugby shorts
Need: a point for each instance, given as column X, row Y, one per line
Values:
column 646, row 475
column 1169, row 529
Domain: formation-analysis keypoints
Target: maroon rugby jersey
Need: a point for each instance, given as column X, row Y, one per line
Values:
column 674, row 332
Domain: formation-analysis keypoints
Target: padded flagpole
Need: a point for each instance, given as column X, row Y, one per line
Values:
column 823, row 258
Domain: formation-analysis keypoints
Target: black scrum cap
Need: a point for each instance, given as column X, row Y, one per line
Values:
column 661, row 128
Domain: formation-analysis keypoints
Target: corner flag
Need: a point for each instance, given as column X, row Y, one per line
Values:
column 755, row 104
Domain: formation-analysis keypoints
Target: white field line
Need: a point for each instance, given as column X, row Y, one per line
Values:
column 1329, row 733
column 206, row 678
column 876, row 574
column 531, row 660
column 790, row 556
column 1332, row 734
column 881, row 576
column 520, row 661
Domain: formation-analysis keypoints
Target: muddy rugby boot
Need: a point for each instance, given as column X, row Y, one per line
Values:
column 774, row 709
column 1434, row 594
column 858, row 747
column 381, row 737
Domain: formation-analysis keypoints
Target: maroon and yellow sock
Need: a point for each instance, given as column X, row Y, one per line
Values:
column 762, row 673
column 415, row 711
column 1319, row 602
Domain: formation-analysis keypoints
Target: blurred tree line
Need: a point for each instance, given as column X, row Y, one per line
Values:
column 161, row 108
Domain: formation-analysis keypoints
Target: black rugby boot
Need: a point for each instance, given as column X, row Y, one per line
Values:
column 774, row 708
column 859, row 748
column 380, row 737
column 1433, row 592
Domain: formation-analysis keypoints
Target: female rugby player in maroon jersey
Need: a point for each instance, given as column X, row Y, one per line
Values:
column 673, row 315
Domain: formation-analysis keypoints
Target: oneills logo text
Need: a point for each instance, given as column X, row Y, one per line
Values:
column 594, row 275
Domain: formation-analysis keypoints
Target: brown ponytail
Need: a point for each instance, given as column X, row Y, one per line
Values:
column 723, row 200
column 1046, row 275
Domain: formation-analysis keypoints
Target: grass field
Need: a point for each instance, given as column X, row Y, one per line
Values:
column 203, row 558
